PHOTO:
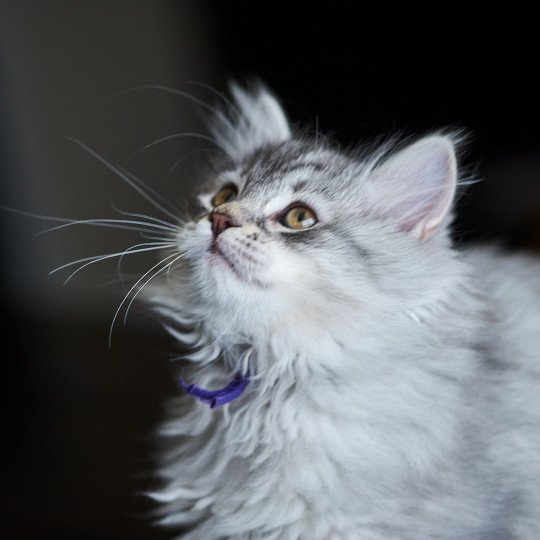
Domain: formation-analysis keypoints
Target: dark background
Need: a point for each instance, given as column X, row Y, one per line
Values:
column 77, row 418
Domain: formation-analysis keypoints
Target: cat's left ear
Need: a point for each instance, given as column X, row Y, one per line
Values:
column 254, row 119
column 415, row 187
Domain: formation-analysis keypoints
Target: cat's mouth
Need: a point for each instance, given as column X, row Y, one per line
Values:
column 217, row 253
column 241, row 264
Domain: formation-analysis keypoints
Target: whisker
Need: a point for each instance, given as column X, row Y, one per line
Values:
column 115, row 281
column 154, row 193
column 161, row 262
column 185, row 206
column 228, row 102
column 146, row 236
column 160, row 245
column 112, row 223
column 214, row 111
column 124, row 175
column 105, row 222
column 148, row 281
column 169, row 90
column 185, row 156
column 127, row 252
column 37, row 216
column 144, row 216
column 169, row 137
column 98, row 258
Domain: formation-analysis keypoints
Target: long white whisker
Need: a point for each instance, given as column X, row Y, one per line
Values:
column 132, row 289
column 126, row 252
column 229, row 103
column 170, row 90
column 146, row 236
column 214, row 111
column 169, row 137
column 144, row 216
column 113, row 223
column 148, row 281
column 127, row 177
column 96, row 222
column 178, row 161
column 97, row 258
column 37, row 216
column 146, row 187
column 161, row 245
column 115, row 281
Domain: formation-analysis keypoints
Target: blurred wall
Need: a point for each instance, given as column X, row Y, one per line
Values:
column 70, row 69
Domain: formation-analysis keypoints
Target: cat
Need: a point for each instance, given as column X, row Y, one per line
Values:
column 378, row 383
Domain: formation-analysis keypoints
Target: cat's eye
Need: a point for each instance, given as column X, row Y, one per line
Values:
column 298, row 217
column 225, row 194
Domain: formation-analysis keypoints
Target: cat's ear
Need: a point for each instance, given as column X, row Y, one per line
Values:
column 416, row 186
column 255, row 119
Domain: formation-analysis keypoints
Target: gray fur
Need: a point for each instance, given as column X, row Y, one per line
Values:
column 396, row 390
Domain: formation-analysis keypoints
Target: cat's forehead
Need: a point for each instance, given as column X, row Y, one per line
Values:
column 288, row 168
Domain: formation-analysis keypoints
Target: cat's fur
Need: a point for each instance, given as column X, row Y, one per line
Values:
column 396, row 380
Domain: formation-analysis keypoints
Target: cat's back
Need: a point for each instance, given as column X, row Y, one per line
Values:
column 507, row 393
column 510, row 285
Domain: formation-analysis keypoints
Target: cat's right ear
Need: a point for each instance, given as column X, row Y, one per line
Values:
column 254, row 119
column 415, row 187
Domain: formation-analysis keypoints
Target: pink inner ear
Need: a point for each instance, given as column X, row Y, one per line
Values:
column 415, row 187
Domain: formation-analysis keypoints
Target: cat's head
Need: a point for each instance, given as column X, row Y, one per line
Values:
column 292, row 235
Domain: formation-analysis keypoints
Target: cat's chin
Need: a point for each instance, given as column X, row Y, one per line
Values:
column 220, row 262
column 225, row 260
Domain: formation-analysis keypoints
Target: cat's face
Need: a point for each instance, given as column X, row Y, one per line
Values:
column 291, row 233
column 278, row 235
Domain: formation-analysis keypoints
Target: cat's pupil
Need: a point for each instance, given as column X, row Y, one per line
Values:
column 301, row 216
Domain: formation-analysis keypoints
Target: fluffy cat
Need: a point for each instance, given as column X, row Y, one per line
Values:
column 394, row 382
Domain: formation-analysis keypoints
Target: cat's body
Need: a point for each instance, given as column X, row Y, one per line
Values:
column 395, row 388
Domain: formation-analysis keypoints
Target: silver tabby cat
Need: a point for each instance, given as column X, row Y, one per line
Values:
column 394, row 381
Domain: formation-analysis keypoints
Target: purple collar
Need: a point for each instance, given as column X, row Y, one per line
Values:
column 216, row 398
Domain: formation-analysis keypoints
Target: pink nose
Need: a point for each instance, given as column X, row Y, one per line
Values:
column 220, row 222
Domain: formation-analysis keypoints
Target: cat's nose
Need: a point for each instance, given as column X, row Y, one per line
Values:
column 221, row 222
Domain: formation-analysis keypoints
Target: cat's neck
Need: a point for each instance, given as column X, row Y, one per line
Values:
column 399, row 412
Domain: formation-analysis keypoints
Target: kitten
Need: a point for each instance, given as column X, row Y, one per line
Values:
column 387, row 385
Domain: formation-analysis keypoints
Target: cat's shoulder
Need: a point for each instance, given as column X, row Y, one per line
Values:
column 503, row 273
column 510, row 286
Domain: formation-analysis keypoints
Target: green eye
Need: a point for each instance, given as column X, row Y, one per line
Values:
column 225, row 194
column 299, row 217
